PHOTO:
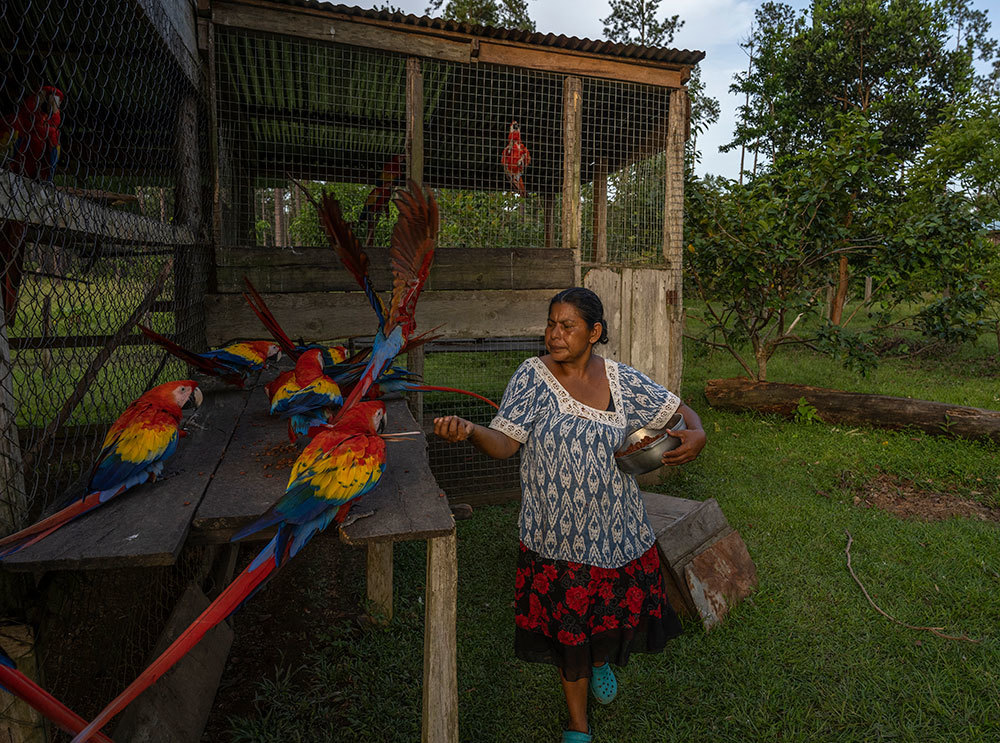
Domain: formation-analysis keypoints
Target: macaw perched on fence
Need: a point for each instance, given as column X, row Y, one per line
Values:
column 33, row 134
column 377, row 203
column 339, row 465
column 305, row 396
column 22, row 687
column 134, row 450
column 515, row 157
column 232, row 364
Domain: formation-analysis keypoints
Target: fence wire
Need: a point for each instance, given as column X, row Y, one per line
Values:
column 103, row 163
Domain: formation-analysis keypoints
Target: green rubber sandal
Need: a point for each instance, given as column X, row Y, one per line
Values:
column 575, row 736
column 604, row 684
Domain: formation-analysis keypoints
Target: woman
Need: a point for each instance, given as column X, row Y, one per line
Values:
column 588, row 587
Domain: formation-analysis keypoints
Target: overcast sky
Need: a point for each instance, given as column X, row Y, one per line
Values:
column 715, row 27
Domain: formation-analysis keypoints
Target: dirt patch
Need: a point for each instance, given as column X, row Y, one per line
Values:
column 905, row 499
column 276, row 628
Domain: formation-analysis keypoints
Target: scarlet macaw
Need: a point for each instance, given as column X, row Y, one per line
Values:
column 377, row 203
column 339, row 465
column 137, row 445
column 16, row 683
column 305, row 395
column 33, row 132
column 331, row 354
column 33, row 135
column 410, row 255
column 515, row 157
column 232, row 363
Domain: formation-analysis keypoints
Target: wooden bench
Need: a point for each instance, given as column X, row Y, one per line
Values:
column 231, row 468
column 706, row 566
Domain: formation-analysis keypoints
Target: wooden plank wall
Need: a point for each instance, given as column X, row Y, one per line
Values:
column 645, row 320
column 474, row 292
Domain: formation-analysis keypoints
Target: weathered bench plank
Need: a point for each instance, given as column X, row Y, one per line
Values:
column 148, row 525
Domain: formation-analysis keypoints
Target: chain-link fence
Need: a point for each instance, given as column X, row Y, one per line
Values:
column 103, row 174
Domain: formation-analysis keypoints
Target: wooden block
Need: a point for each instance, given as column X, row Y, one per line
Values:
column 20, row 723
column 720, row 577
column 177, row 706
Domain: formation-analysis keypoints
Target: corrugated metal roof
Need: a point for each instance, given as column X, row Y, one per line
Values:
column 558, row 41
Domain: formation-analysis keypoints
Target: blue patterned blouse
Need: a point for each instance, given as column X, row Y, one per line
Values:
column 576, row 504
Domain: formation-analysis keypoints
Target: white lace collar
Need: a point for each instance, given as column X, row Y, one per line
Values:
column 571, row 406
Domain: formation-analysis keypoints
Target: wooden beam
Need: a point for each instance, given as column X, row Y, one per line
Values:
column 326, row 316
column 440, row 692
column 13, row 494
column 175, row 23
column 305, row 269
column 673, row 235
column 323, row 26
column 600, row 236
column 572, row 122
column 577, row 64
column 415, row 172
column 36, row 203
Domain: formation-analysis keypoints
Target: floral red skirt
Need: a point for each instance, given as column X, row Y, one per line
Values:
column 573, row 615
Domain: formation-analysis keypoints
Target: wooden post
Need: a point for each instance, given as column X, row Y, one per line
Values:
column 20, row 723
column 190, row 261
column 213, row 132
column 549, row 212
column 13, row 495
column 600, row 239
column 572, row 129
column 415, row 172
column 673, row 232
column 379, row 578
column 279, row 217
column 440, row 708
column 868, row 288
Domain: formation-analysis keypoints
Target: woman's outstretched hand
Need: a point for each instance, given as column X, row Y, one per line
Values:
column 452, row 428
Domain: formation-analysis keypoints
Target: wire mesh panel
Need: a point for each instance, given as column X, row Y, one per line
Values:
column 484, row 366
column 296, row 109
column 624, row 169
column 103, row 156
column 493, row 149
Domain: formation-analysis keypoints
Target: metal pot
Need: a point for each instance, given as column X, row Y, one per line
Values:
column 647, row 458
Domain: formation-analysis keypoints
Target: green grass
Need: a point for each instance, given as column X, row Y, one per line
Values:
column 805, row 658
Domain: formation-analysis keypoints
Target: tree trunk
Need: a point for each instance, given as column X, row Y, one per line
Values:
column 837, row 308
column 853, row 408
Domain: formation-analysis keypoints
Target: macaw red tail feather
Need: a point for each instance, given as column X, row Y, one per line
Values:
column 346, row 245
column 206, row 365
column 62, row 716
column 244, row 585
column 267, row 318
column 418, row 340
column 36, row 532
column 411, row 252
column 431, row 388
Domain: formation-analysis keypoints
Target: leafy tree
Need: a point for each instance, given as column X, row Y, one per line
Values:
column 636, row 22
column 500, row 13
column 892, row 61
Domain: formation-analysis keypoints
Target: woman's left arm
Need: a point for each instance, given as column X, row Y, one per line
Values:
column 692, row 439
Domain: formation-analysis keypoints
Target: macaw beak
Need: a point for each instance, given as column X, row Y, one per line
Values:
column 196, row 399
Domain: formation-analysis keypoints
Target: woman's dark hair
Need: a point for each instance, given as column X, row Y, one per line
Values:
column 587, row 304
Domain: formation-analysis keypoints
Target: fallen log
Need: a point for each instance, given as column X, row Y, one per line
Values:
column 854, row 408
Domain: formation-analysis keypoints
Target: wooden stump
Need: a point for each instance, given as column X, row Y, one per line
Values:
column 706, row 566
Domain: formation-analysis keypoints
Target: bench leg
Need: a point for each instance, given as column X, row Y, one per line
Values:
column 379, row 578
column 440, row 714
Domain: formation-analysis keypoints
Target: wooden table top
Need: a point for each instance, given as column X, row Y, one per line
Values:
column 230, row 469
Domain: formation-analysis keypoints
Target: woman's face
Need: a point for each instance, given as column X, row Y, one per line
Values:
column 567, row 336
